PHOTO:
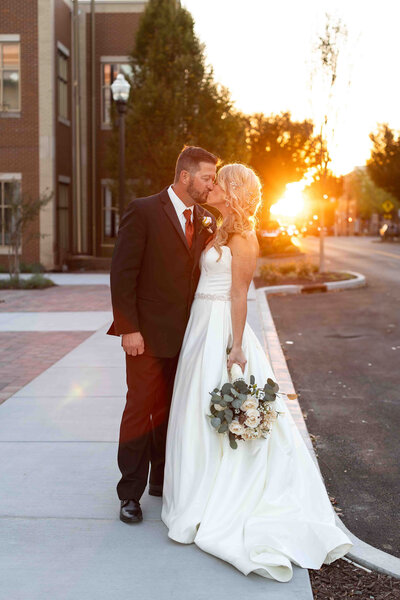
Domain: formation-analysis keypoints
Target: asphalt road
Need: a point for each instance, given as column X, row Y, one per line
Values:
column 343, row 351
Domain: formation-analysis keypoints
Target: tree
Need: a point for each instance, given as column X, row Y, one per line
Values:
column 24, row 210
column 281, row 152
column 384, row 164
column 369, row 196
column 329, row 186
column 174, row 101
column 329, row 49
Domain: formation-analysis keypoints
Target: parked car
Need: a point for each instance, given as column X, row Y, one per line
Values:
column 389, row 231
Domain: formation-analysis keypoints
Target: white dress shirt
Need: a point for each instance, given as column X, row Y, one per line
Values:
column 180, row 207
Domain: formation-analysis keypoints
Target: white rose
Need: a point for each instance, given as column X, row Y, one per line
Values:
column 269, row 418
column 236, row 428
column 250, row 434
column 207, row 221
column 250, row 403
column 252, row 418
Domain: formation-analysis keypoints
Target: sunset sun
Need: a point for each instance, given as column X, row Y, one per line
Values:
column 292, row 202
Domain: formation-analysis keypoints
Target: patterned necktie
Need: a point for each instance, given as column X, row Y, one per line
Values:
column 189, row 227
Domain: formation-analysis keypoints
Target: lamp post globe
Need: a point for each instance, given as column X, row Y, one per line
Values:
column 120, row 88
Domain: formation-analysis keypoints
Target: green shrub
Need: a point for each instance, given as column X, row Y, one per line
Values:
column 270, row 274
column 36, row 282
column 273, row 274
column 32, row 267
column 286, row 268
column 305, row 270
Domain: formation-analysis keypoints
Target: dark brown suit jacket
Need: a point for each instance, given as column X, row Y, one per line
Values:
column 154, row 273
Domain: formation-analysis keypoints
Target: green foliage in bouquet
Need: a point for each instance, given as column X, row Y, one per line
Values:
column 243, row 411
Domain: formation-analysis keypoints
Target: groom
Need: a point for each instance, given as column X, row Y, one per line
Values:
column 154, row 275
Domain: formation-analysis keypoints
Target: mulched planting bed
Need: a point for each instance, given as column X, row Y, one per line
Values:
column 343, row 580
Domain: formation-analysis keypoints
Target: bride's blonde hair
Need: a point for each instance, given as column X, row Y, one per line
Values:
column 243, row 192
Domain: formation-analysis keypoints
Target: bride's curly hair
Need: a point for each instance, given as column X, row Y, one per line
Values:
column 243, row 192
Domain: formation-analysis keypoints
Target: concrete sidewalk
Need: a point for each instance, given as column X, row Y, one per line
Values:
column 61, row 537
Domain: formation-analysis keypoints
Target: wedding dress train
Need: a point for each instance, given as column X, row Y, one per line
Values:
column 264, row 505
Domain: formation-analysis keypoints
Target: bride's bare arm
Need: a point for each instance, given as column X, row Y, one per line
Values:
column 244, row 259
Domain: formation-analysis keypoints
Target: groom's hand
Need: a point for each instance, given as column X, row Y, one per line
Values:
column 133, row 343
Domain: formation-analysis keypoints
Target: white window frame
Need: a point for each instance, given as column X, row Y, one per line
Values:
column 104, row 187
column 6, row 177
column 63, row 53
column 11, row 39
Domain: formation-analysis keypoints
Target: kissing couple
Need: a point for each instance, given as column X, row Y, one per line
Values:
column 179, row 285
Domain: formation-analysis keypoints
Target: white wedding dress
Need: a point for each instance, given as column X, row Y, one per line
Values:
column 264, row 505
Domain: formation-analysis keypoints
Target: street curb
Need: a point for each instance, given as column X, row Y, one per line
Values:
column 362, row 553
column 70, row 278
column 329, row 286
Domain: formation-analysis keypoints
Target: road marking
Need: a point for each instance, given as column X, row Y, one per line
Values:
column 387, row 254
column 355, row 250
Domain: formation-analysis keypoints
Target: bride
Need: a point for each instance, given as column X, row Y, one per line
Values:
column 262, row 506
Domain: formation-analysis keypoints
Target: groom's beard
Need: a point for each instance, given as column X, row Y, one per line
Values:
column 196, row 196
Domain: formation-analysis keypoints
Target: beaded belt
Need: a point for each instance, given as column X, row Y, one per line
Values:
column 224, row 297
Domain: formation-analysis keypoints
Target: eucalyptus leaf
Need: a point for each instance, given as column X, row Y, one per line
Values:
column 216, row 422
column 242, row 397
column 221, row 415
column 223, row 428
column 241, row 387
column 226, row 388
column 252, row 380
column 273, row 384
column 229, row 415
column 268, row 389
column 228, row 398
column 233, row 444
column 237, row 403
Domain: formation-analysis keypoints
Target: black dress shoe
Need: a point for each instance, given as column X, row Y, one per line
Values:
column 156, row 490
column 130, row 511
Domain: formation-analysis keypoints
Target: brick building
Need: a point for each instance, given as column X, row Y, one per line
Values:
column 47, row 112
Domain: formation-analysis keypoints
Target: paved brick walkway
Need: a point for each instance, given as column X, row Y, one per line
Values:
column 24, row 355
column 59, row 298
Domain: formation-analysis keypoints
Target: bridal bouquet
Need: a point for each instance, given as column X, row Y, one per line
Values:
column 242, row 411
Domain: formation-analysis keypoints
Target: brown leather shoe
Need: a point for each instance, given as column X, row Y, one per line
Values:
column 130, row 511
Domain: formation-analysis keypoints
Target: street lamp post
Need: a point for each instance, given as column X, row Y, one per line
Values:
column 120, row 91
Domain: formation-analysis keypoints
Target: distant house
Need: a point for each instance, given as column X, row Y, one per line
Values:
column 46, row 135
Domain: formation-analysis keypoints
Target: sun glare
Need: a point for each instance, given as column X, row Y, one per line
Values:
column 292, row 202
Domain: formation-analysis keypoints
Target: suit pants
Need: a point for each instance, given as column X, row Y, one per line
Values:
column 143, row 431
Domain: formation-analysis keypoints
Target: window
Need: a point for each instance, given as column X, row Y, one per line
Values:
column 110, row 215
column 10, row 77
column 62, row 76
column 9, row 192
column 63, row 220
column 109, row 73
